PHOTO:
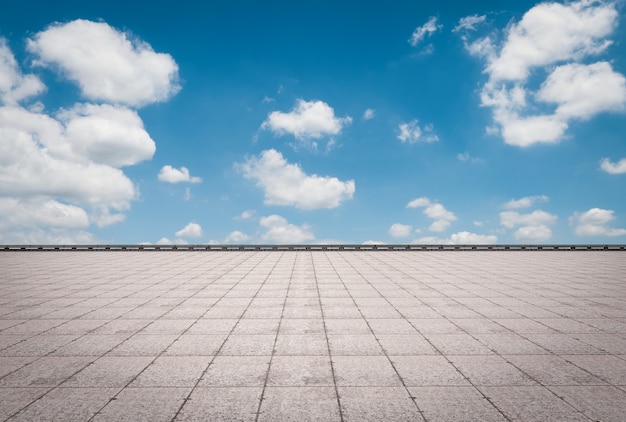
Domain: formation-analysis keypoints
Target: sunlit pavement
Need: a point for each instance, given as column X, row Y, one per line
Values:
column 320, row 336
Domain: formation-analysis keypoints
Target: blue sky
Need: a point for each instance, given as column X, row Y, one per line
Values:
column 312, row 122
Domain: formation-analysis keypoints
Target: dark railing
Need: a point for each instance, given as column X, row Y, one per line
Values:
column 329, row 247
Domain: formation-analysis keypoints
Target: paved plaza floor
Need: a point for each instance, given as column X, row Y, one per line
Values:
column 313, row 335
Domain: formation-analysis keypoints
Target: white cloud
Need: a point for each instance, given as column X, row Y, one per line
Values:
column 63, row 167
column 236, row 237
column 554, row 38
column 552, row 32
column 14, row 86
column 613, row 168
column 190, row 230
column 411, row 133
column 39, row 160
column 460, row 238
column 533, row 226
column 539, row 233
column 308, row 119
column 418, row 202
column 373, row 242
column 173, row 175
column 287, row 184
column 594, row 223
column 107, row 134
column 525, row 202
column 510, row 219
column 469, row 23
column 467, row 158
column 425, row 30
column 107, row 64
column 278, row 230
column 246, row 215
column 582, row 91
column 400, row 230
column 368, row 114
column 443, row 218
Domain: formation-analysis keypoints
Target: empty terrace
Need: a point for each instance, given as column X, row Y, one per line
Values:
column 342, row 335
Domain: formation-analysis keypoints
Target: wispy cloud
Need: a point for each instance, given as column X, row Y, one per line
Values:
column 424, row 31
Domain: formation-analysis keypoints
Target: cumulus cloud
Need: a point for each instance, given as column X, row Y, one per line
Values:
column 469, row 23
column 287, row 184
column 555, row 38
column 467, row 158
column 594, row 222
column 107, row 64
column 279, row 230
column 411, row 133
column 236, row 237
column 534, row 225
column 246, row 215
column 65, row 165
column 190, row 230
column 308, row 119
column 613, row 168
column 400, row 230
column 107, row 134
column 173, row 175
column 15, row 86
column 368, row 114
column 460, row 238
column 443, row 218
column 525, row 202
column 424, row 31
column 510, row 219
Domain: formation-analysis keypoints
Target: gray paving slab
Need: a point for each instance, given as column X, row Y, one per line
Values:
column 313, row 335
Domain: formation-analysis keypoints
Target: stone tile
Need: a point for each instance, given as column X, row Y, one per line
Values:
column 421, row 371
column 173, row 371
column 168, row 326
column 77, row 326
column 599, row 403
column 67, row 404
column 38, row 345
column 510, row 344
column 354, row 345
column 302, row 345
column 144, row 404
column 405, row 345
column 377, row 404
column 611, row 369
column 195, row 345
column 110, row 371
column 257, row 326
column 356, row 326
column 221, row 404
column 391, row 326
column 236, row 371
column 212, row 326
column 479, row 326
column 91, row 345
column 562, row 344
column 490, row 371
column 301, row 326
column 122, row 326
column 305, row 371
column 531, row 404
column 457, row 344
column 144, row 345
column 434, row 326
column 364, row 371
column 452, row 404
column 554, row 370
column 248, row 345
column 45, row 372
column 10, row 364
column 12, row 400
column 299, row 404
